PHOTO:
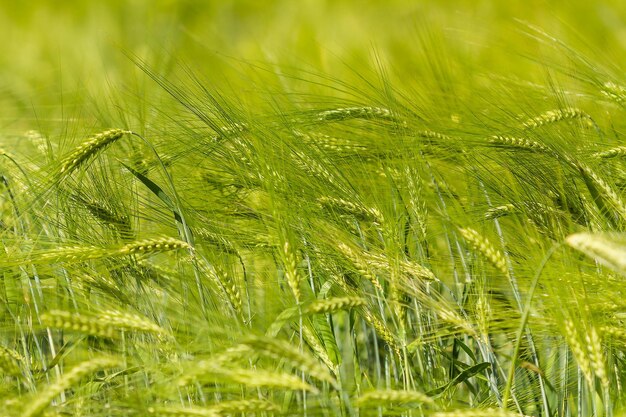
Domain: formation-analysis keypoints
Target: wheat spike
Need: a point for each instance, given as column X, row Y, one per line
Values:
column 578, row 351
column 280, row 350
column 209, row 371
column 361, row 265
column 291, row 270
column 380, row 397
column 39, row 403
column 351, row 208
column 10, row 361
column 618, row 151
column 482, row 245
column 103, row 324
column 485, row 412
column 347, row 113
column 554, row 116
column 608, row 249
column 519, row 143
column 615, row 92
column 90, row 148
column 330, row 305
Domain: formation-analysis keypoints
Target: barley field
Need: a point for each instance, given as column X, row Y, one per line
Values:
column 313, row 208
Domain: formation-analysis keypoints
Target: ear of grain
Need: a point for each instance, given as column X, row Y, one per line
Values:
column 485, row 412
column 380, row 398
column 330, row 305
column 554, row 116
column 282, row 351
column 518, row 143
column 614, row 92
column 210, row 372
column 89, row 149
column 485, row 248
column 608, row 249
column 38, row 404
column 105, row 324
column 10, row 361
column 617, row 152
column 347, row 113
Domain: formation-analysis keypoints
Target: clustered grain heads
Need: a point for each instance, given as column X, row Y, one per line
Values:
column 75, row 254
column 104, row 324
column 616, row 152
column 221, row 409
column 40, row 402
column 331, row 305
column 382, row 397
column 253, row 378
column 89, row 149
column 614, row 92
column 10, row 361
column 518, row 143
column 608, row 249
column 485, row 248
column 554, row 116
column 347, row 113
column 484, row 412
column 280, row 350
column 351, row 208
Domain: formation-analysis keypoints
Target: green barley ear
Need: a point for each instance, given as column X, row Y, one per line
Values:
column 518, row 143
column 614, row 92
column 617, row 152
column 89, row 149
column 385, row 397
column 40, row 402
column 485, row 248
column 279, row 350
column 608, row 249
column 485, row 412
column 554, row 116
column 347, row 113
column 10, row 361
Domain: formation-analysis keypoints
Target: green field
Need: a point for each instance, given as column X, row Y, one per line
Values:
column 313, row 208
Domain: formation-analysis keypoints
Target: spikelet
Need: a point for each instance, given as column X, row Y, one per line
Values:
column 351, row 208
column 330, row 305
column 317, row 348
column 10, row 361
column 291, row 270
column 596, row 355
column 74, row 254
column 414, row 269
column 381, row 397
column 38, row 404
column 149, row 246
column 217, row 410
column 224, row 281
column 618, row 151
column 360, row 264
column 615, row 92
column 429, row 134
column 416, row 201
column 382, row 331
column 482, row 245
column 282, row 351
column 518, row 143
column 499, row 211
column 485, row 412
column 602, row 192
column 182, row 412
column 209, row 371
column 105, row 324
column 608, row 249
column 347, row 113
column 554, row 116
column 244, row 406
column 578, row 351
column 90, row 148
